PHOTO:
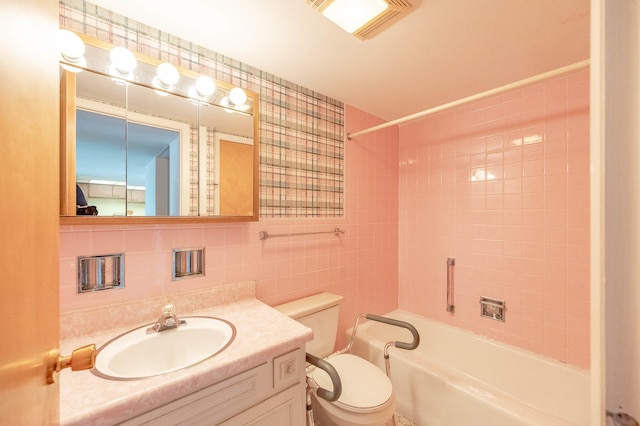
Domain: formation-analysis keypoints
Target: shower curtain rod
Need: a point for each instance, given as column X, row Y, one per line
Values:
column 477, row 96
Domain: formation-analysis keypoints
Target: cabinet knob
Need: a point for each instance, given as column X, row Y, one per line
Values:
column 82, row 358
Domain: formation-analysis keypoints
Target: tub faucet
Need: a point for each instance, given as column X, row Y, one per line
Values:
column 167, row 320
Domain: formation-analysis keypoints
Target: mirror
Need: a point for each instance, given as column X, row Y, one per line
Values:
column 143, row 152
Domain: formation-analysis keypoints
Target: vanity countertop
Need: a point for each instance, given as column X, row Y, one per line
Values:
column 261, row 334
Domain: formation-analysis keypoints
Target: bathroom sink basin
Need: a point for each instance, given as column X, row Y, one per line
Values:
column 138, row 354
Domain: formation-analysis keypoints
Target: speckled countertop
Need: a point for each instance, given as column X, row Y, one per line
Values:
column 261, row 334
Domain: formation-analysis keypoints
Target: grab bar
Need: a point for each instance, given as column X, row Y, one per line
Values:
column 401, row 345
column 451, row 262
column 398, row 323
column 390, row 321
column 333, row 375
column 409, row 346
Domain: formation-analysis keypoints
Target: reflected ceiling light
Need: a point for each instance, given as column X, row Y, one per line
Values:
column 71, row 50
column 237, row 96
column 528, row 140
column 362, row 18
column 107, row 182
column 205, row 86
column 479, row 175
column 123, row 62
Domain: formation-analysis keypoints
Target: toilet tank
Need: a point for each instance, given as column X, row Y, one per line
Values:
column 320, row 313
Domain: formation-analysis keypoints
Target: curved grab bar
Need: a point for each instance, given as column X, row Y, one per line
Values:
column 398, row 323
column 333, row 375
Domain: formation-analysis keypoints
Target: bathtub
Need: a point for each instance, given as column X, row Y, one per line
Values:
column 457, row 378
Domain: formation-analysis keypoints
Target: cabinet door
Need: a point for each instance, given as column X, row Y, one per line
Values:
column 213, row 404
column 284, row 409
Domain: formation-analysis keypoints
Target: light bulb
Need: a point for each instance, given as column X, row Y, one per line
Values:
column 72, row 50
column 237, row 96
column 205, row 86
column 123, row 60
column 168, row 75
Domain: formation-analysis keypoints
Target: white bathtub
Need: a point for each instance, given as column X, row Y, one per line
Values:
column 457, row 378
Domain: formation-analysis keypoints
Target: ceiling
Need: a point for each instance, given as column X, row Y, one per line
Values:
column 441, row 51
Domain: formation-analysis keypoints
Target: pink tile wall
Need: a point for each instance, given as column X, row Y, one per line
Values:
column 502, row 186
column 361, row 264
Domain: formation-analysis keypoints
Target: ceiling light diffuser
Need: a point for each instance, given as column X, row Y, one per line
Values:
column 353, row 14
column 362, row 18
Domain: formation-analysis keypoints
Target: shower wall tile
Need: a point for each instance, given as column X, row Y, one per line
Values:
column 502, row 185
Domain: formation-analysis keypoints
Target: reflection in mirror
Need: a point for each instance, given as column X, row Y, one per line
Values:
column 160, row 149
column 129, row 161
column 228, row 163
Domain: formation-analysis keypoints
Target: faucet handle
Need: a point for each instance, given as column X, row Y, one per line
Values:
column 169, row 310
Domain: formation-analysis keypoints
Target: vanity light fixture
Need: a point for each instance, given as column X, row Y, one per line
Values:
column 72, row 50
column 237, row 96
column 205, row 86
column 235, row 101
column 167, row 76
column 362, row 18
column 226, row 102
column 123, row 62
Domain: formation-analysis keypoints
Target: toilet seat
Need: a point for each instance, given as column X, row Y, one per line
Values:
column 365, row 388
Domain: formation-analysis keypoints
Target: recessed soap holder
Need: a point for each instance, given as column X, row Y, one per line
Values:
column 187, row 263
column 101, row 272
column 492, row 308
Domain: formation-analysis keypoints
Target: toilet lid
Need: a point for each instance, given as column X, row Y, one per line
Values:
column 363, row 384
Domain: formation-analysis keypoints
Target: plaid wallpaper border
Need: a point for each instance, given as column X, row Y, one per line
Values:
column 301, row 131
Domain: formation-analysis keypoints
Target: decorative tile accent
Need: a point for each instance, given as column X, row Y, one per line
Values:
column 301, row 131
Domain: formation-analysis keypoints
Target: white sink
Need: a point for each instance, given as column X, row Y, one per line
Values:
column 138, row 354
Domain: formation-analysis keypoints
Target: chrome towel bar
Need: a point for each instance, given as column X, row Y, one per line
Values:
column 263, row 235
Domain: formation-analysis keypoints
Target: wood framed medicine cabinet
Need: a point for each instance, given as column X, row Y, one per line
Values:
column 143, row 152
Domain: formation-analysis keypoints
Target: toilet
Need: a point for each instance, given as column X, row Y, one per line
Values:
column 367, row 396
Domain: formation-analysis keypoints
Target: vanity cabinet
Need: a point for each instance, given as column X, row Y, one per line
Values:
column 270, row 394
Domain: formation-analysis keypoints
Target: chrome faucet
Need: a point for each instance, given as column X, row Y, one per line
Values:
column 167, row 320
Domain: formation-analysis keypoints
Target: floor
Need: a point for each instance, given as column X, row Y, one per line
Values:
column 402, row 421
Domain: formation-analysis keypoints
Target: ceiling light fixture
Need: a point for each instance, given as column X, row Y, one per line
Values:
column 362, row 18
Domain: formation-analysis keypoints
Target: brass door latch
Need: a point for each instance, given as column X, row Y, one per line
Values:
column 82, row 358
